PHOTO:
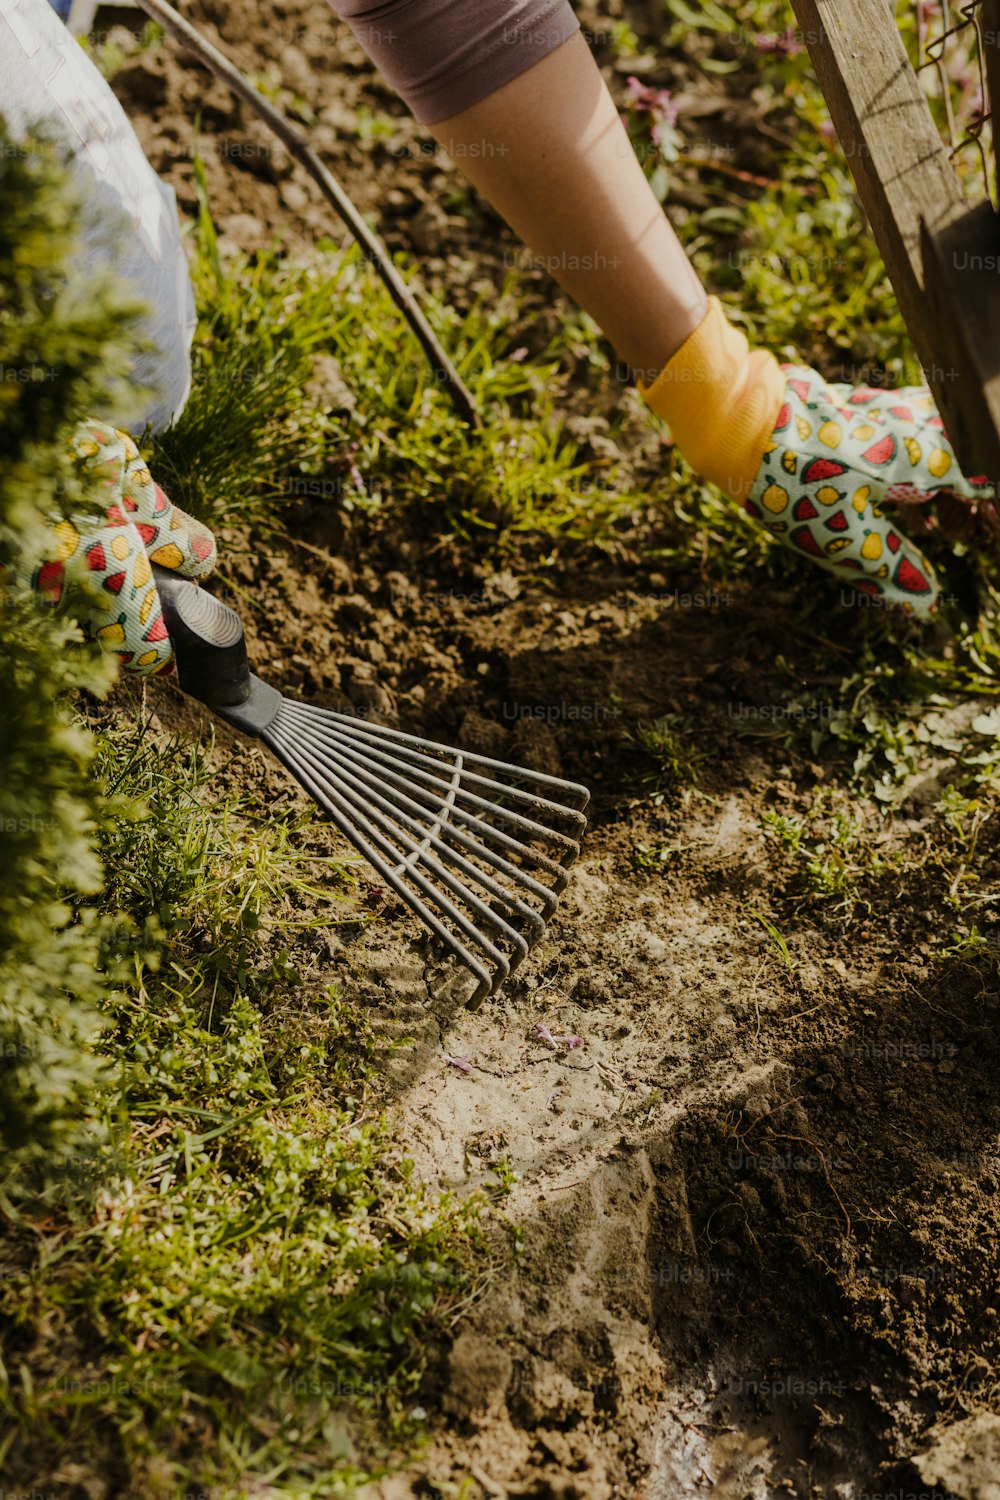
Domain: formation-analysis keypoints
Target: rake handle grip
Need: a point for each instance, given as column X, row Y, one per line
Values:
column 207, row 636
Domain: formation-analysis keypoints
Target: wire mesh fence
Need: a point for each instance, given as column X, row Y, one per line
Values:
column 947, row 46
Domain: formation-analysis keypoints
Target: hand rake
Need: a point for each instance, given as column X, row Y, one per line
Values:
column 478, row 849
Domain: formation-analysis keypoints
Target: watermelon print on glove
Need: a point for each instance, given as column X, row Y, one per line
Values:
column 836, row 454
column 103, row 568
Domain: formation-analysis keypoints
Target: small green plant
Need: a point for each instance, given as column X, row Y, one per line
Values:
column 114, row 51
column 778, row 940
column 834, row 851
column 651, row 118
column 666, row 741
column 971, row 944
column 506, row 1177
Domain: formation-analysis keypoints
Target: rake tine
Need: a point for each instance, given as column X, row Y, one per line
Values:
column 432, row 838
column 304, row 726
column 458, row 837
column 418, row 748
column 388, row 818
column 497, row 835
column 355, row 827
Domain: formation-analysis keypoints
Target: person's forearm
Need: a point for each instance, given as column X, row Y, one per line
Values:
column 510, row 90
column 550, row 153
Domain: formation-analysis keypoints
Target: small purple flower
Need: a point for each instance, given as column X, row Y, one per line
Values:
column 782, row 44
column 657, row 102
column 459, row 1062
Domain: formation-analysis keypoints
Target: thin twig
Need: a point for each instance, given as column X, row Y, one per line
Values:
column 295, row 142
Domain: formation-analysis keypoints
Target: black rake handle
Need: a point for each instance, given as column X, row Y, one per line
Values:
column 207, row 637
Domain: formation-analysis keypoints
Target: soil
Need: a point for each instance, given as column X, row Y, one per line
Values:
column 759, row 1206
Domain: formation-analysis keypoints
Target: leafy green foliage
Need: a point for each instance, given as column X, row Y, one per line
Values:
column 64, row 348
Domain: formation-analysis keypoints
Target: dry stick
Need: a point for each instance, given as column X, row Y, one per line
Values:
column 182, row 31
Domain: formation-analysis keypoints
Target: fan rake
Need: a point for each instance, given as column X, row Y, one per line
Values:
column 477, row 848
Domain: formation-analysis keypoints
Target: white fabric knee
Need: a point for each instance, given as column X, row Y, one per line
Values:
column 45, row 76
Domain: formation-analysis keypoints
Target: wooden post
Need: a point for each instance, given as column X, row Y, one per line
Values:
column 942, row 255
column 989, row 35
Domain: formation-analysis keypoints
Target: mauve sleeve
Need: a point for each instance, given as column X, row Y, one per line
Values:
column 441, row 56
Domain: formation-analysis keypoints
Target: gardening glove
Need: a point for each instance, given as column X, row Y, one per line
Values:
column 103, row 567
column 814, row 462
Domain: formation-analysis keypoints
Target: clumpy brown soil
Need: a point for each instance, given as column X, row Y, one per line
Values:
column 758, row 1208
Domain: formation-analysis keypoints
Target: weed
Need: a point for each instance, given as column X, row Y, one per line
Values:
column 667, row 742
column 836, row 850
column 506, row 1178
column 778, row 940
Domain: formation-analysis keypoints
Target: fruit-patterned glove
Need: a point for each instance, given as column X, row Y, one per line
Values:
column 814, row 462
column 103, row 567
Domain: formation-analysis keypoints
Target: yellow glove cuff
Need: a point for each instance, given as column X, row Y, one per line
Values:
column 720, row 401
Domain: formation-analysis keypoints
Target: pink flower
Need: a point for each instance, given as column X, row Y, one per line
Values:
column 657, row 102
column 635, row 92
column 785, row 44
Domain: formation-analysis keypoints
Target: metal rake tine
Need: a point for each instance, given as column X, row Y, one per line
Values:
column 354, row 828
column 367, row 726
column 386, row 815
column 434, row 803
column 456, row 788
column 509, row 815
column 416, row 752
column 384, row 830
column 434, row 836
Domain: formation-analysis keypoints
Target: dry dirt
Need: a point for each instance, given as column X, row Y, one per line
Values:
column 759, row 1206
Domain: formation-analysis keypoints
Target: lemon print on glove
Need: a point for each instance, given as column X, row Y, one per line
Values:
column 839, row 452
column 103, row 568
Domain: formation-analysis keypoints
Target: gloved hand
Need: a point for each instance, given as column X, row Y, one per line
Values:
column 103, row 567
column 814, row 462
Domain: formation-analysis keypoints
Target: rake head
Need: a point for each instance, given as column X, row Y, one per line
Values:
column 477, row 848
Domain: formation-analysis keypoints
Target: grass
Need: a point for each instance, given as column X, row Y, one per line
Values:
column 238, row 1278
column 666, row 743
column 242, row 1284
column 262, row 427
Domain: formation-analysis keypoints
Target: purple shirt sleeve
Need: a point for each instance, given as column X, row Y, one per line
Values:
column 441, row 56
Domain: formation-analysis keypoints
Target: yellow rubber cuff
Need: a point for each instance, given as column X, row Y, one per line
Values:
column 720, row 401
